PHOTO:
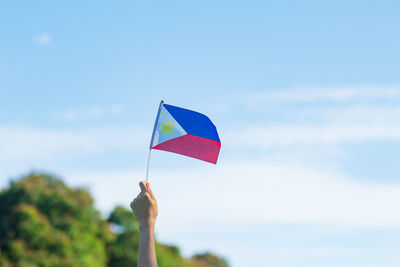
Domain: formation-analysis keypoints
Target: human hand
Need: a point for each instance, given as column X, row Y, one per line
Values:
column 144, row 206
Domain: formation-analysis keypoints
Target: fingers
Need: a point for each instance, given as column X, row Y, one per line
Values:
column 143, row 187
column 149, row 190
column 147, row 195
column 143, row 196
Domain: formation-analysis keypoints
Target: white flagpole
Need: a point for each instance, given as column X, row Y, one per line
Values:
column 152, row 139
column 148, row 163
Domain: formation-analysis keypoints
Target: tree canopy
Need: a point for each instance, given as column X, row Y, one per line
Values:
column 43, row 222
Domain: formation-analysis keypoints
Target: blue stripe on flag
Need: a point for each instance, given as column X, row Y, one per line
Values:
column 194, row 123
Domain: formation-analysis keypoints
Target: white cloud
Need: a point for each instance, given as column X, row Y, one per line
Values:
column 371, row 114
column 82, row 114
column 303, row 194
column 257, row 192
column 92, row 113
column 317, row 127
column 29, row 144
column 305, row 135
column 335, row 125
column 43, row 39
column 116, row 110
column 335, row 94
column 243, row 193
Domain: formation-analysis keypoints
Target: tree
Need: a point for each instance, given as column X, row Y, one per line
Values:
column 45, row 223
column 208, row 260
column 123, row 251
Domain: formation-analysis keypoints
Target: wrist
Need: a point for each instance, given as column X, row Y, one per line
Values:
column 147, row 225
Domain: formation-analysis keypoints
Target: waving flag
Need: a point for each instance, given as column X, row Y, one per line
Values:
column 185, row 132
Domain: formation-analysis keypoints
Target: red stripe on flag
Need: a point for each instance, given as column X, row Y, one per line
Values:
column 192, row 146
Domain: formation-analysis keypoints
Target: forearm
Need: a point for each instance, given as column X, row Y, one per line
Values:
column 147, row 250
column 144, row 206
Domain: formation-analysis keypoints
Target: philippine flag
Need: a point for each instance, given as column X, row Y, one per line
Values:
column 185, row 132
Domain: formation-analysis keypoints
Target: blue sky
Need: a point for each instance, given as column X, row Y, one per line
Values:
column 305, row 95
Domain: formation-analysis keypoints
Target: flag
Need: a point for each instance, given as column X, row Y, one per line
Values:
column 185, row 132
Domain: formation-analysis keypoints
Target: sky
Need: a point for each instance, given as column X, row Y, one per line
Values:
column 305, row 96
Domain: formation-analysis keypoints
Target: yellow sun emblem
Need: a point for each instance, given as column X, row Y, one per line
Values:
column 166, row 128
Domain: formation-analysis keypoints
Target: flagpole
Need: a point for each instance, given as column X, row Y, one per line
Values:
column 148, row 164
column 152, row 138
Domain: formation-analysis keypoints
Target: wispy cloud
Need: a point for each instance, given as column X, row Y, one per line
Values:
column 43, row 39
column 283, row 189
column 92, row 113
column 304, row 135
column 353, row 115
column 334, row 94
column 30, row 144
column 254, row 192
column 310, row 125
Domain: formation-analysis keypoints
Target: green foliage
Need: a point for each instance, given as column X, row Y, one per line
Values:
column 208, row 260
column 123, row 251
column 44, row 223
column 4, row 261
column 168, row 255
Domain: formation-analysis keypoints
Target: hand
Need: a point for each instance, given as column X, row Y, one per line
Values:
column 144, row 206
